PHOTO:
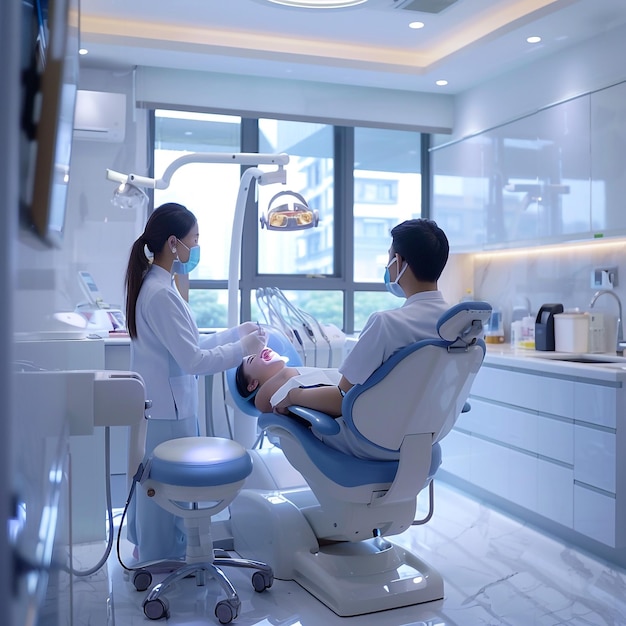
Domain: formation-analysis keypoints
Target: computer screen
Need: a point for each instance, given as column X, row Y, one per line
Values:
column 50, row 80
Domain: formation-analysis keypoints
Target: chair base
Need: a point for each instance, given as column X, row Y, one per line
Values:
column 365, row 577
column 349, row 578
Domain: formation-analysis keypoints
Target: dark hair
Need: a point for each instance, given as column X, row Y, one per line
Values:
column 242, row 384
column 424, row 246
column 168, row 219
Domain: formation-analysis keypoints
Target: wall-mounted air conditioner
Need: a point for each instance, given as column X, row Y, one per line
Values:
column 100, row 116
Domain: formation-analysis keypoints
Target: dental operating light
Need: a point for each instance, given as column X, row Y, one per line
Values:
column 128, row 196
column 130, row 184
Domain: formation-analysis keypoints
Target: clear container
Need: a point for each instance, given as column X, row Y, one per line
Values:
column 597, row 333
column 494, row 332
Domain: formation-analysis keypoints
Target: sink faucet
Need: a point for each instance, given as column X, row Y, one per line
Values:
column 620, row 344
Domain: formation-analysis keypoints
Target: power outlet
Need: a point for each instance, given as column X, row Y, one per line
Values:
column 604, row 278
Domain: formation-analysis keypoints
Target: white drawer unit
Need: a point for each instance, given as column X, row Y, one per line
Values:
column 546, row 436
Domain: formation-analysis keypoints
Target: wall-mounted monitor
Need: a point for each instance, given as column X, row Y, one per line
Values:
column 49, row 85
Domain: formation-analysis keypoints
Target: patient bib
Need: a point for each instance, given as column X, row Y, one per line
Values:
column 308, row 377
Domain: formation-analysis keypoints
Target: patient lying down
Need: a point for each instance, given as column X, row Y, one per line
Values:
column 275, row 386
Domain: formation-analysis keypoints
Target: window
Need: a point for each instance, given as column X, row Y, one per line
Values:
column 387, row 190
column 362, row 181
column 208, row 190
column 309, row 173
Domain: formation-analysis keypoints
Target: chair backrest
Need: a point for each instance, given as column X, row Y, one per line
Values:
column 277, row 341
column 423, row 387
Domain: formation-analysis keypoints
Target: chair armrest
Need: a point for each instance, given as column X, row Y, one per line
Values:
column 320, row 422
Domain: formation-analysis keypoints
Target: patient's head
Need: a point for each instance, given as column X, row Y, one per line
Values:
column 256, row 369
column 424, row 246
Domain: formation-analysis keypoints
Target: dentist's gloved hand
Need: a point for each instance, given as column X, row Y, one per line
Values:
column 254, row 342
column 246, row 328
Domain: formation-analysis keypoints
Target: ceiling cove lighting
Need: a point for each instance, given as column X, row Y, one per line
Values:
column 318, row 4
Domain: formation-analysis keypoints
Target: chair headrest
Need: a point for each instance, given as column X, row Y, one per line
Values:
column 278, row 342
column 463, row 323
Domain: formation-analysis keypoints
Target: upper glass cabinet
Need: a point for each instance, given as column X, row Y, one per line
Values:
column 608, row 159
column 523, row 183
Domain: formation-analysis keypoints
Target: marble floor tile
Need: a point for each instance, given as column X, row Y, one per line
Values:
column 496, row 571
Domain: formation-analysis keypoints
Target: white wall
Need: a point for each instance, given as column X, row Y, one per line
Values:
column 592, row 65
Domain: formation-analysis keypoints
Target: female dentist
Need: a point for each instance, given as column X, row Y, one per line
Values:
column 169, row 353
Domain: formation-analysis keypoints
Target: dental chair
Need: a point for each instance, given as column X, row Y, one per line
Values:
column 195, row 478
column 331, row 536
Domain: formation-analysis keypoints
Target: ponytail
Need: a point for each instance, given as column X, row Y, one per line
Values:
column 138, row 265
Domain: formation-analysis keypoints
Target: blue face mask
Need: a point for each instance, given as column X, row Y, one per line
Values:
column 394, row 287
column 179, row 267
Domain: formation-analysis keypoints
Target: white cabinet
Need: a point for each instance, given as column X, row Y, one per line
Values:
column 547, row 440
column 555, row 175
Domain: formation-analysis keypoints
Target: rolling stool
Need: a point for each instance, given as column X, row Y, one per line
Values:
column 196, row 478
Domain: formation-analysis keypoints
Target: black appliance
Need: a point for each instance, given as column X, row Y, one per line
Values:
column 544, row 326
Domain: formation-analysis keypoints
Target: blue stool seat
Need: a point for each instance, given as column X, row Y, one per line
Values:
column 200, row 462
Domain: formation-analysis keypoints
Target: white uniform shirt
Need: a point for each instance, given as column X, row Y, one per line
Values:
column 387, row 331
column 169, row 352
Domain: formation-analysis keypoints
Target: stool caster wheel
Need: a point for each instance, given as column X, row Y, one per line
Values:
column 142, row 579
column 157, row 608
column 261, row 581
column 226, row 611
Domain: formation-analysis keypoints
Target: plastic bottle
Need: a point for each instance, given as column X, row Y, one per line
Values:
column 495, row 330
column 516, row 333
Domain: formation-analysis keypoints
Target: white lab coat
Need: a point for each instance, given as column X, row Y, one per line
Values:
column 170, row 354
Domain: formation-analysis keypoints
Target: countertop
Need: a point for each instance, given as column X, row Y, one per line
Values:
column 558, row 363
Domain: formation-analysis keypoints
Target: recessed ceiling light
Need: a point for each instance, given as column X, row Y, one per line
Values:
column 533, row 39
column 83, row 51
column 318, row 4
column 441, row 83
column 416, row 25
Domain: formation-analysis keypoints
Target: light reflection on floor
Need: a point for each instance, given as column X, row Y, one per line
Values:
column 496, row 572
